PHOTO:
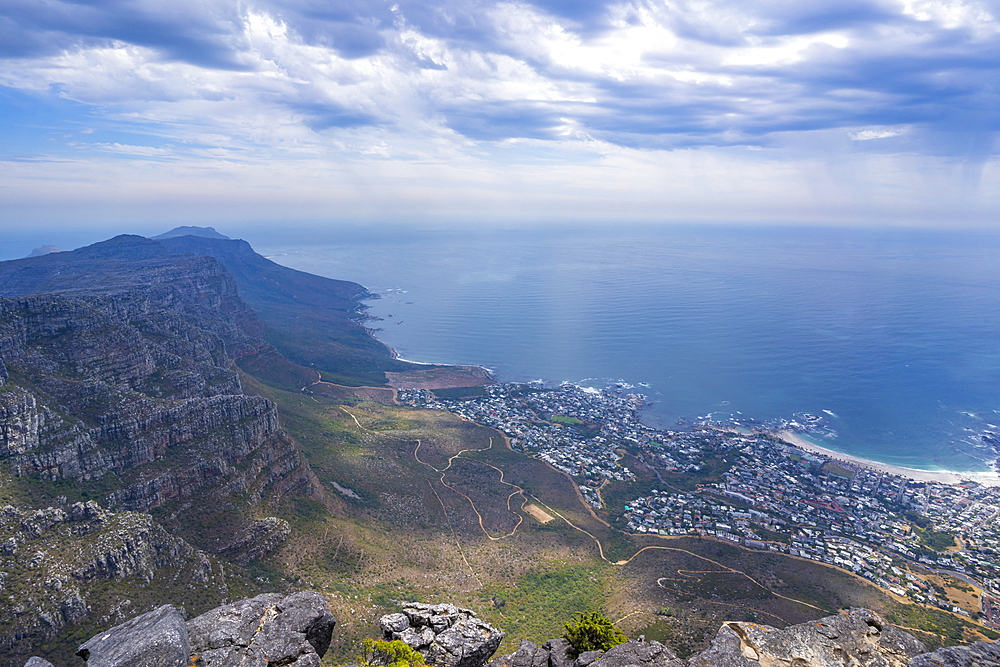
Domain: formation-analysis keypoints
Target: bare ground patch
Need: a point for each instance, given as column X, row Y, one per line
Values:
column 538, row 513
column 440, row 378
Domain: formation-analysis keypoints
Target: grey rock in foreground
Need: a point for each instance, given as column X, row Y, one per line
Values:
column 35, row 661
column 271, row 629
column 446, row 635
column 293, row 630
column 638, row 653
column 158, row 638
column 980, row 654
column 858, row 637
column 557, row 653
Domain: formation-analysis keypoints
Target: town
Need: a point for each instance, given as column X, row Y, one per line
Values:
column 769, row 495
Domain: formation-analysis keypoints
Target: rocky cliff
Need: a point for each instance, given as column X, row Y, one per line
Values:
column 118, row 382
column 126, row 367
column 66, row 565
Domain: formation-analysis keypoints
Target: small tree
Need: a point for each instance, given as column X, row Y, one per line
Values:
column 592, row 632
column 380, row 653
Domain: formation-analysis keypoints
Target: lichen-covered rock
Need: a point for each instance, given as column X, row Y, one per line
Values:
column 859, row 637
column 446, row 635
column 980, row 654
column 643, row 653
column 560, row 652
column 292, row 630
column 35, row 661
column 156, row 639
column 587, row 658
column 467, row 643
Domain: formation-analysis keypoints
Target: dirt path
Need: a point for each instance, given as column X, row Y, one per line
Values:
column 355, row 419
column 517, row 489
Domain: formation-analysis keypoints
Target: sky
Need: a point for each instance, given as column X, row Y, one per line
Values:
column 145, row 114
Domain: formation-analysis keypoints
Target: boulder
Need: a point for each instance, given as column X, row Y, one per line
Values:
column 559, row 652
column 653, row 654
column 524, row 656
column 980, row 654
column 446, row 635
column 156, row 639
column 35, row 661
column 293, row 630
column 859, row 637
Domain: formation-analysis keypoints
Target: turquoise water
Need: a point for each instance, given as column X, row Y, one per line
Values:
column 892, row 339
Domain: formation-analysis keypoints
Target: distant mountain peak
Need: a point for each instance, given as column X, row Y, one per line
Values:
column 207, row 232
column 45, row 250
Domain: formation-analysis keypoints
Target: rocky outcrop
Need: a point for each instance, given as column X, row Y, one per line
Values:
column 446, row 635
column 155, row 639
column 257, row 540
column 559, row 653
column 859, row 637
column 65, row 565
column 120, row 357
column 653, row 654
column 270, row 629
column 980, row 654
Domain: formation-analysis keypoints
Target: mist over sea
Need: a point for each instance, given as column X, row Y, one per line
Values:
column 891, row 339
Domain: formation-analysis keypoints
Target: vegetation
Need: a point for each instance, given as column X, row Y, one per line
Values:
column 563, row 419
column 935, row 540
column 381, row 653
column 592, row 632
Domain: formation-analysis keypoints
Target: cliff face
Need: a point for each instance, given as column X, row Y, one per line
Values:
column 65, row 565
column 130, row 363
column 118, row 381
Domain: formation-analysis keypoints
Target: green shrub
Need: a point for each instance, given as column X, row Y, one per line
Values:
column 380, row 653
column 592, row 632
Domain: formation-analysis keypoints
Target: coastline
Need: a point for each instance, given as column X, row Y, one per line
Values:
column 985, row 478
column 941, row 476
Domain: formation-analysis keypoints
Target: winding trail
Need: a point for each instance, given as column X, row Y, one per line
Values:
column 355, row 419
column 517, row 489
column 454, row 535
column 686, row 575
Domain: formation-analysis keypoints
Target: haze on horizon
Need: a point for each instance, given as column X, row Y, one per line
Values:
column 134, row 115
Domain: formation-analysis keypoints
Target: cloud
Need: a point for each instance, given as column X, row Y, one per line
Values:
column 442, row 81
column 868, row 135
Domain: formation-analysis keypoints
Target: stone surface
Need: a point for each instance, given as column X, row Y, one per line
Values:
column 268, row 629
column 587, row 658
column 980, row 654
column 559, row 652
column 860, row 638
column 156, row 639
column 446, row 635
column 35, row 661
column 638, row 653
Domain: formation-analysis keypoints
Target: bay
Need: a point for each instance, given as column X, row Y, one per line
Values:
column 890, row 338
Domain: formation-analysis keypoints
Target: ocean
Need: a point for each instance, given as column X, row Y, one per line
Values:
column 882, row 344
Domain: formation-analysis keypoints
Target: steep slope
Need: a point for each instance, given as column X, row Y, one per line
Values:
column 311, row 320
column 125, row 371
column 118, row 382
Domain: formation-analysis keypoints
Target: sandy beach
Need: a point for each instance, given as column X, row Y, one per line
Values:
column 942, row 476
